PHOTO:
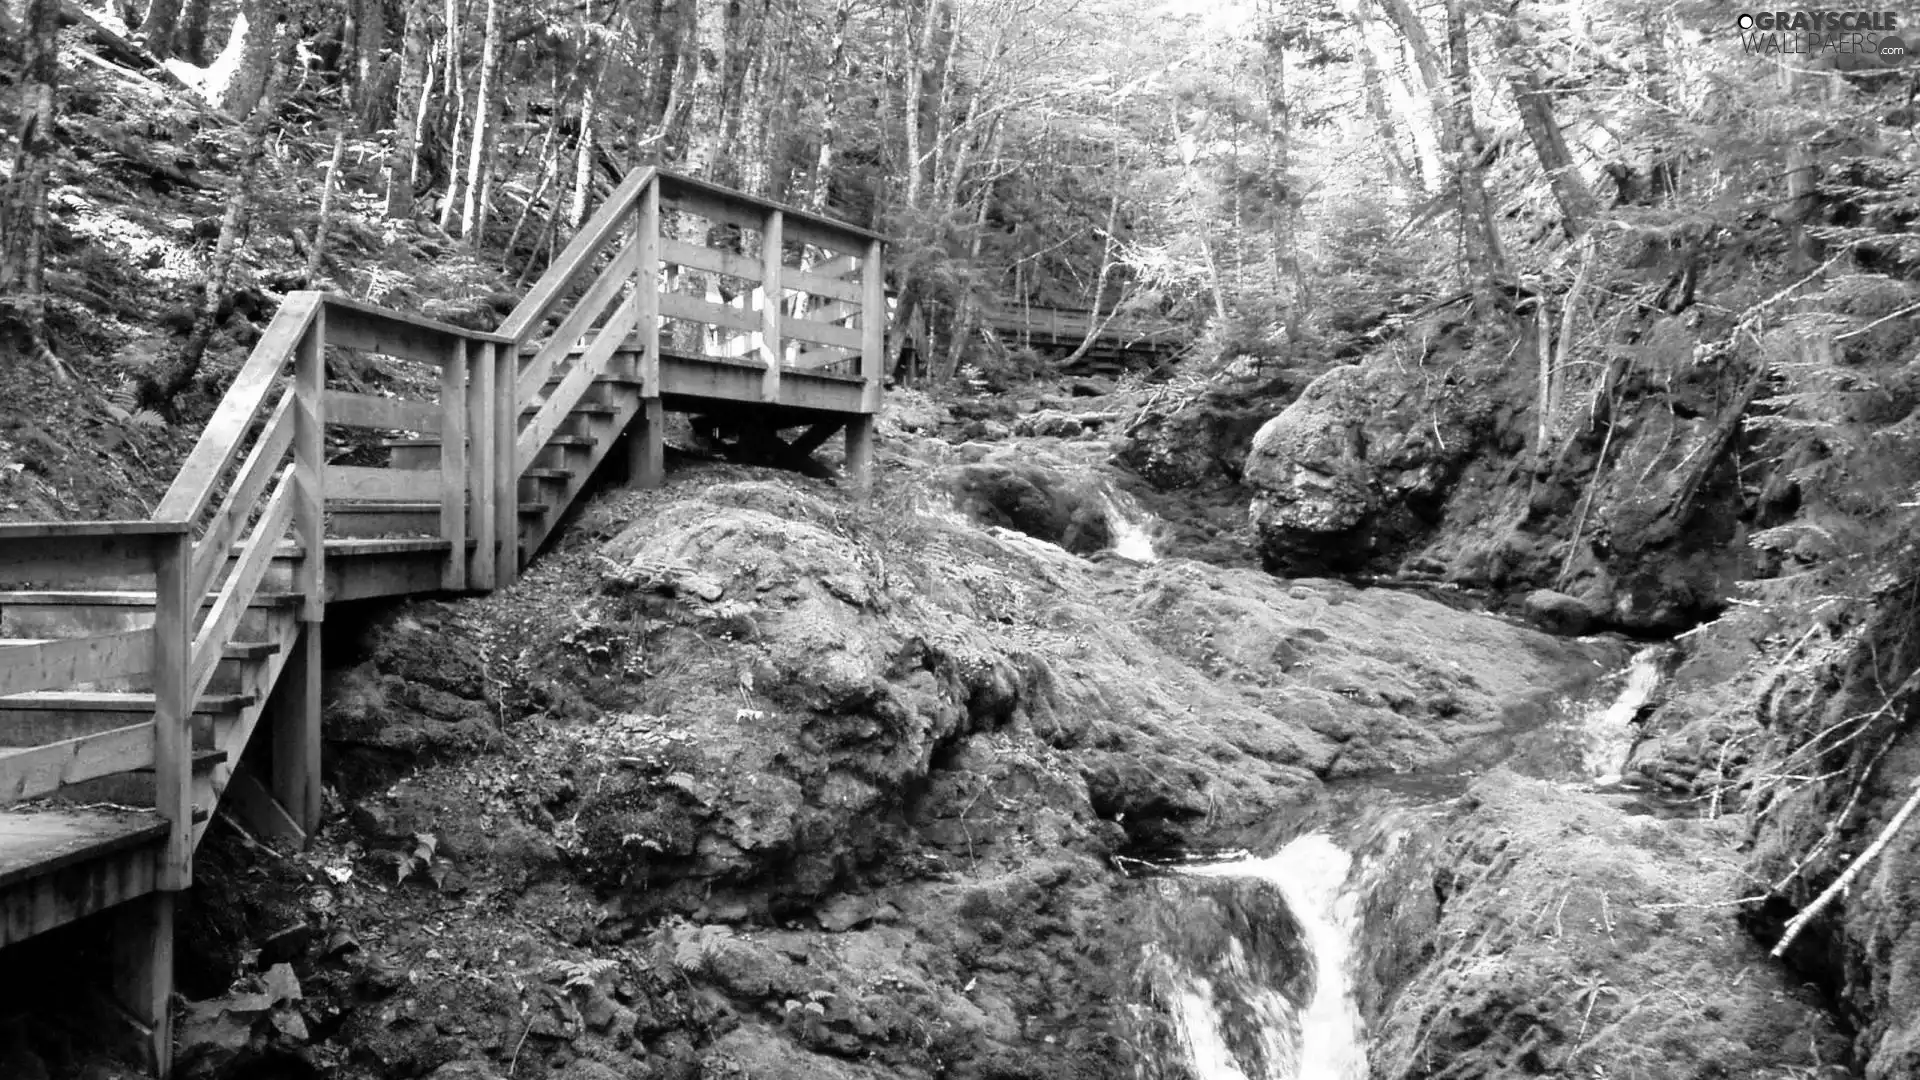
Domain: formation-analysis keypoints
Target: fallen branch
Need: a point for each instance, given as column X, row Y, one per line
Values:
column 1851, row 334
column 1845, row 880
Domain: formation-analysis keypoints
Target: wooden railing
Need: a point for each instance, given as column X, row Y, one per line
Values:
column 219, row 528
column 827, row 311
column 256, row 487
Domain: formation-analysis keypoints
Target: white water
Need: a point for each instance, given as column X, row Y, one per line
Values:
column 1312, row 873
column 1131, row 529
column 1607, row 734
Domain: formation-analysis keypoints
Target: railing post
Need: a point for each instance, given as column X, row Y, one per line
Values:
column 173, row 612
column 646, row 278
column 771, row 247
column 453, row 464
column 296, row 726
column 873, row 326
column 506, row 465
column 478, row 408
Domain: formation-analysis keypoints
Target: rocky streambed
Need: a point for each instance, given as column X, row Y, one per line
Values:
column 749, row 778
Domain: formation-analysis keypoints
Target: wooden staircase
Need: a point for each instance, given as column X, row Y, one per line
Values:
column 138, row 659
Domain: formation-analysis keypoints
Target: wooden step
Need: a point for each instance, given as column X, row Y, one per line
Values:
column 399, row 544
column 561, row 475
column 122, row 599
column 238, row 650
column 114, row 701
column 355, row 547
column 584, row 408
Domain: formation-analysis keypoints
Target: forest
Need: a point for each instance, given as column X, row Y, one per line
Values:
column 1426, row 359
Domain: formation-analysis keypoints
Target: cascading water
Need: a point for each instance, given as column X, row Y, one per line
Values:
column 1259, row 956
column 1323, row 1040
column 1130, row 527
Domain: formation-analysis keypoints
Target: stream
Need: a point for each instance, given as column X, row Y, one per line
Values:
column 1260, row 974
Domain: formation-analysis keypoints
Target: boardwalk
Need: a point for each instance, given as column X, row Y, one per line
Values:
column 140, row 660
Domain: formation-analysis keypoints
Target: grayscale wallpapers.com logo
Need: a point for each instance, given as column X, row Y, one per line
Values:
column 1851, row 34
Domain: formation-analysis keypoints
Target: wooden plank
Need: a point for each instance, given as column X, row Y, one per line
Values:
column 822, row 356
column 647, row 282
column 586, row 369
column 260, row 810
column 310, row 470
column 192, row 489
column 823, row 233
column 840, row 266
column 453, row 466
column 506, row 477
column 873, row 332
column 771, row 254
column 43, row 770
column 840, row 337
column 675, row 182
column 577, row 256
column 696, row 257
column 141, row 532
column 77, row 559
column 815, row 284
column 243, row 497
column 675, row 305
column 168, row 744
column 385, row 413
column 210, row 644
column 860, row 452
column 716, row 204
column 579, row 321
column 55, row 664
column 480, row 464
column 387, row 333
column 349, row 482
column 342, row 304
column 296, row 733
column 143, row 975
column 646, row 450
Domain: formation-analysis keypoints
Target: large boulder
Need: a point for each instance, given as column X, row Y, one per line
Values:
column 1357, row 468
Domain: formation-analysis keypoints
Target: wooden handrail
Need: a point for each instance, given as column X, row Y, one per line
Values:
column 576, row 256
column 192, row 489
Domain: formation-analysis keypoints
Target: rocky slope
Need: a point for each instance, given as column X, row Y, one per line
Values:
column 751, row 778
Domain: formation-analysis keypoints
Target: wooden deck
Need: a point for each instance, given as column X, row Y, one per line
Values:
column 138, row 659
column 1117, row 339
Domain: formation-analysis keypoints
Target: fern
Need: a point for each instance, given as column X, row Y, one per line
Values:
column 580, row 974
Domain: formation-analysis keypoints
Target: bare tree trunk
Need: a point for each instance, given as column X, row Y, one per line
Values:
column 456, row 94
column 1577, row 206
column 192, row 36
column 239, row 75
column 1373, row 70
column 473, row 220
column 160, row 26
column 23, row 212
column 915, row 103
column 318, row 250
column 408, row 116
column 1286, row 243
column 709, row 57
column 220, row 269
column 1452, row 98
column 583, row 154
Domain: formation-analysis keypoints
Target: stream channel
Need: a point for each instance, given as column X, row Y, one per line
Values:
column 1262, row 972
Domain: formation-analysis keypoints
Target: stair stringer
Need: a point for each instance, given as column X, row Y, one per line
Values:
column 232, row 732
column 623, row 397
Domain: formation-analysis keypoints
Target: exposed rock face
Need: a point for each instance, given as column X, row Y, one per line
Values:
column 1557, row 613
column 1203, row 439
column 1578, row 939
column 1356, row 469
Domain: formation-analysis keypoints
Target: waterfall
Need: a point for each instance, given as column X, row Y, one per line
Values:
column 1130, row 526
column 1607, row 734
column 1275, row 999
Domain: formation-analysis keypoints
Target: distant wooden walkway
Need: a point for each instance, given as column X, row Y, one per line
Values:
column 1120, row 340
column 139, row 659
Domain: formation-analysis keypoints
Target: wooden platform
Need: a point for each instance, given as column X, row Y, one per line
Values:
column 139, row 658
column 60, row 865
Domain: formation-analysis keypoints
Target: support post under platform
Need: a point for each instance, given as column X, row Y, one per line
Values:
column 647, row 446
column 143, row 974
column 296, row 732
column 860, row 451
